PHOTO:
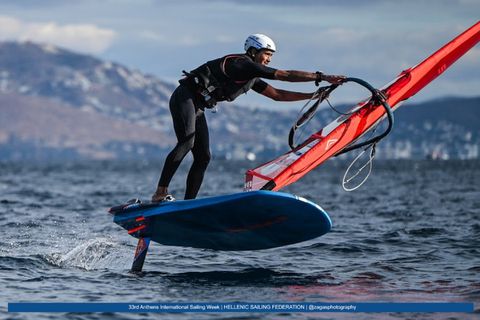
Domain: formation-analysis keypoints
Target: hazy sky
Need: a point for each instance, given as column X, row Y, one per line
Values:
column 373, row 40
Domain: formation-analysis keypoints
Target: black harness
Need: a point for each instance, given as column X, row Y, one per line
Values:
column 212, row 84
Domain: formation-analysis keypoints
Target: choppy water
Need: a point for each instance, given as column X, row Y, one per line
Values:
column 411, row 234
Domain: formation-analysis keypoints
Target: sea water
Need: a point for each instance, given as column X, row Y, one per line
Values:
column 410, row 234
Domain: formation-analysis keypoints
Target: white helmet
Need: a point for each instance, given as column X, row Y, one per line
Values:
column 259, row 42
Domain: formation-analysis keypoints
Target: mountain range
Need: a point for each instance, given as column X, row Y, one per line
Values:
column 56, row 104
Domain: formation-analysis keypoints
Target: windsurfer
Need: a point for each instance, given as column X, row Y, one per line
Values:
column 223, row 79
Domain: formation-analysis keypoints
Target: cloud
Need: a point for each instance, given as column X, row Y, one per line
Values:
column 87, row 38
column 299, row 3
column 185, row 39
column 152, row 36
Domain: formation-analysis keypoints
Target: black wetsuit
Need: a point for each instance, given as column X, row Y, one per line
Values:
column 239, row 74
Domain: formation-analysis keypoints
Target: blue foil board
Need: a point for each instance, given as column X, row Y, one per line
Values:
column 242, row 221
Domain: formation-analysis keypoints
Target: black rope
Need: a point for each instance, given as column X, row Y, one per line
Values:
column 338, row 111
column 323, row 94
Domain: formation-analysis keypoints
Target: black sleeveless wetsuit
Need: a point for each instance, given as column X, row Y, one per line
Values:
column 232, row 75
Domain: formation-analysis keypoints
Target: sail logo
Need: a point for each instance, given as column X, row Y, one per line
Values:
column 442, row 68
column 330, row 143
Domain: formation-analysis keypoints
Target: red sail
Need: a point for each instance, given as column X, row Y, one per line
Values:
column 342, row 132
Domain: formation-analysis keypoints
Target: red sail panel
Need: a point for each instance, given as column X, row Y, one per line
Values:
column 342, row 132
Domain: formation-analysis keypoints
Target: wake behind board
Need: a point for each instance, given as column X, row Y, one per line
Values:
column 242, row 221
